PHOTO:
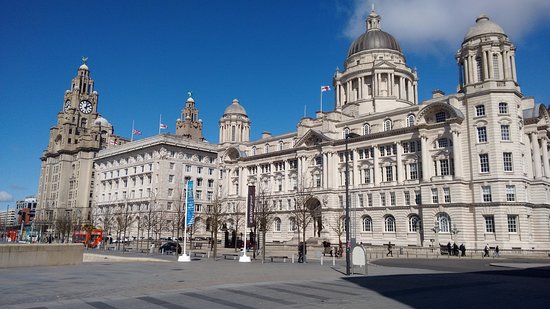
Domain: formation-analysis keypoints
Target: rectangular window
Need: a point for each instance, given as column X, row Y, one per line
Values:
column 482, row 135
column 480, row 110
column 447, row 195
column 392, row 199
column 507, row 160
column 341, row 201
column 443, row 142
column 484, row 163
column 188, row 168
column 504, row 132
column 369, row 197
column 172, row 165
column 170, row 192
column 360, row 200
column 407, row 196
column 382, row 199
column 440, row 117
column 486, row 190
column 417, row 197
column 503, row 108
column 170, row 178
column 444, row 167
column 389, row 173
column 435, row 197
column 199, row 170
column 489, row 224
column 510, row 193
column 413, row 171
column 512, row 223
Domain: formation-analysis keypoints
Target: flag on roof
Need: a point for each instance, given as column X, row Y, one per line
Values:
column 136, row 132
column 163, row 126
column 325, row 88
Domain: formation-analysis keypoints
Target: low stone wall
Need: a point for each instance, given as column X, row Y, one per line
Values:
column 18, row 255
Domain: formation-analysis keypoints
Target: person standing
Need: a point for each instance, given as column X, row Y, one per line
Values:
column 462, row 250
column 449, row 248
column 486, row 251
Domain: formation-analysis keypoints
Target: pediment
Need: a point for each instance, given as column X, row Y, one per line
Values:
column 384, row 65
column 311, row 138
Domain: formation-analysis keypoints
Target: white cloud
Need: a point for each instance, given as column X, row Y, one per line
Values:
column 5, row 197
column 421, row 24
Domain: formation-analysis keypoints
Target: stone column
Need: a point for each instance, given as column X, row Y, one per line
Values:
column 360, row 88
column 466, row 69
column 457, row 154
column 355, row 174
column 425, row 158
column 400, row 172
column 486, row 69
column 536, row 155
column 324, row 178
column 377, row 174
column 513, row 68
column 545, row 163
column 337, row 94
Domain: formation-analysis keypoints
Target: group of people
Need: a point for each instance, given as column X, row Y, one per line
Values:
column 454, row 249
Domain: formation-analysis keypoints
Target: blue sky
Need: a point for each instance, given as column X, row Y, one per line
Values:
column 271, row 55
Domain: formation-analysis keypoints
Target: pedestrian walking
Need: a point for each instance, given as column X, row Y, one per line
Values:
column 462, row 249
column 496, row 253
column 390, row 252
column 449, row 248
column 486, row 251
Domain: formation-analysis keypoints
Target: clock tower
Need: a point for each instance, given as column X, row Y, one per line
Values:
column 65, row 186
column 189, row 125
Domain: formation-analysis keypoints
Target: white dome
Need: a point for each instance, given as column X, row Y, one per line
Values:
column 83, row 67
column 190, row 99
column 483, row 26
column 102, row 122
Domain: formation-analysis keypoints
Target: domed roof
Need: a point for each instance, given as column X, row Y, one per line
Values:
column 235, row 108
column 483, row 26
column 83, row 67
column 102, row 122
column 374, row 37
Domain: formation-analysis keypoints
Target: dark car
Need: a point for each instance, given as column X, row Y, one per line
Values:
column 170, row 246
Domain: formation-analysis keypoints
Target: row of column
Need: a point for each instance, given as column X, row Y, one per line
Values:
column 505, row 63
column 242, row 132
column 536, row 146
column 405, row 89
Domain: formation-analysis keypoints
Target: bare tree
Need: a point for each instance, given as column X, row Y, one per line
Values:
column 217, row 216
column 264, row 213
column 64, row 226
column 302, row 212
column 339, row 227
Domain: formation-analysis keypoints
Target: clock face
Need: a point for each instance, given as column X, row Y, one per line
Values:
column 67, row 105
column 85, row 106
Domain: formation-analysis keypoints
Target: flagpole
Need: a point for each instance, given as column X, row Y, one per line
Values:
column 132, row 138
column 321, row 99
column 160, row 121
column 184, row 257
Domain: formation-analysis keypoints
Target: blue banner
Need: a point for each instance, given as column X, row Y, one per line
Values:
column 190, row 215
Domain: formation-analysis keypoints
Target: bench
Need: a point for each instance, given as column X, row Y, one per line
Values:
column 128, row 249
column 273, row 257
column 197, row 245
column 197, row 253
column 233, row 255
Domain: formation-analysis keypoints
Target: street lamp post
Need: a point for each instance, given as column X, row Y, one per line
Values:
column 347, row 226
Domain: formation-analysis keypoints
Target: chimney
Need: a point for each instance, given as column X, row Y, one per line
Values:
column 265, row 135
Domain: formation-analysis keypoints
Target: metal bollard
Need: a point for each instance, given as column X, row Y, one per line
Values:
column 321, row 260
column 292, row 258
column 333, row 260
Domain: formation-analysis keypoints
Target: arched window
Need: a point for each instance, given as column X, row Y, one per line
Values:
column 83, row 122
column 443, row 222
column 292, row 225
column 414, row 224
column 277, row 225
column 366, row 129
column 281, row 145
column 253, row 150
column 266, row 148
column 410, row 120
column 345, row 133
column 208, row 224
column 389, row 224
column 367, row 224
column 233, row 133
column 496, row 70
column 387, row 125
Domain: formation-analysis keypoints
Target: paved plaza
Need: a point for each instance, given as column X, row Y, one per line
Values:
column 161, row 282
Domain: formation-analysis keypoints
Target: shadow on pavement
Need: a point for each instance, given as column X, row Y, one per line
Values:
column 523, row 288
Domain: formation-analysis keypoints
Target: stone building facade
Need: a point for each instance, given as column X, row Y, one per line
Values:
column 140, row 186
column 470, row 167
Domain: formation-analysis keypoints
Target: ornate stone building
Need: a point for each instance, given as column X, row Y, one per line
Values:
column 65, row 185
column 470, row 167
column 140, row 186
